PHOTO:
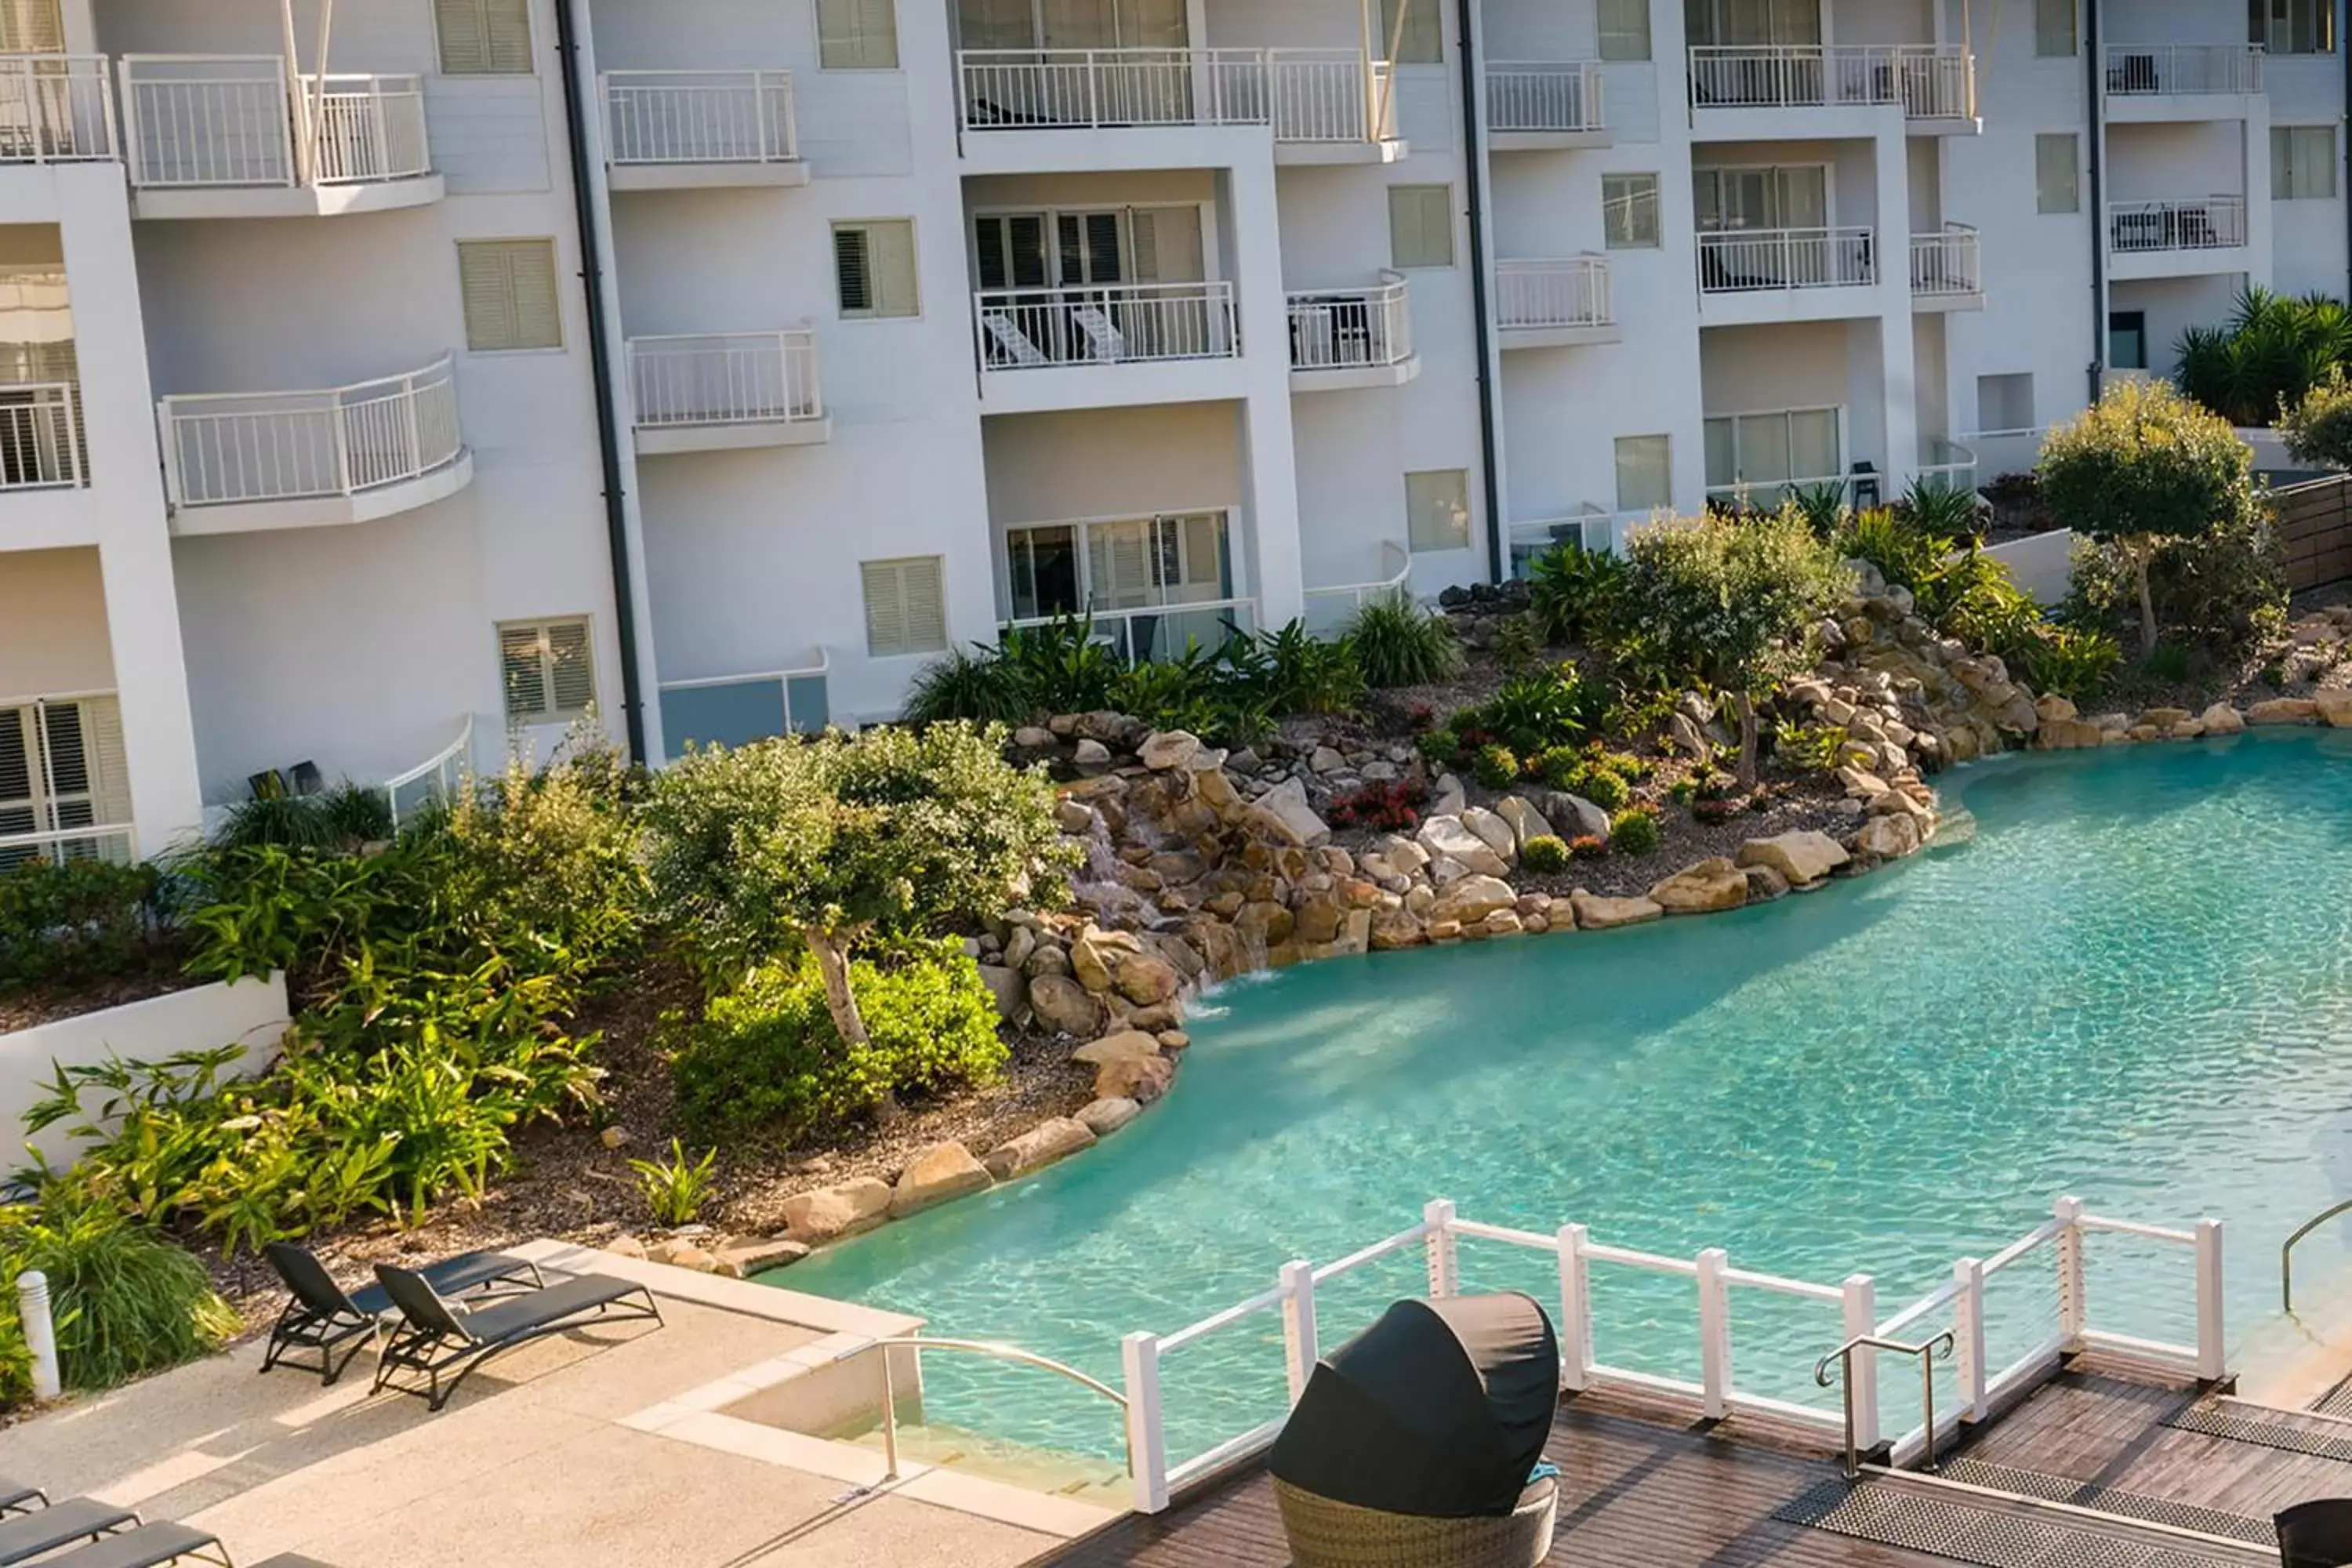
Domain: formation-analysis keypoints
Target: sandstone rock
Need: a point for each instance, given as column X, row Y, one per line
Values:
column 2283, row 710
column 614, row 1137
column 1861, row 785
column 1324, row 760
column 1503, row 923
column 934, row 1175
column 1064, row 1006
column 1095, row 957
column 1217, row 793
column 1446, row 931
column 1104, row 1117
column 1093, row 756
column 2164, row 719
column 1686, row 735
column 2055, row 710
column 2222, row 719
column 1032, row 738
column 1318, row 919
column 1117, row 1047
column 1471, row 900
column 1572, row 817
column 1039, row 1147
column 1406, row 855
column 1594, row 912
column 1074, row 816
column 843, row 1209
column 1702, row 889
column 626, row 1246
column 1447, row 837
column 2072, row 735
column 1802, row 858
column 2335, row 707
column 1140, row 1078
column 1395, row 929
column 1011, row 991
column 1888, row 838
column 1764, row 884
column 1525, row 822
column 1447, row 797
column 1174, row 1040
column 746, row 1259
column 1283, row 815
column 1145, row 980
column 1493, row 831
column 1165, row 750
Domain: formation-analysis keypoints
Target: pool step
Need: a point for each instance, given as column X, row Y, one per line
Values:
column 2322, row 1435
column 1922, row 1513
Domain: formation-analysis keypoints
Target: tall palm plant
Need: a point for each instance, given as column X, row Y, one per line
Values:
column 2275, row 348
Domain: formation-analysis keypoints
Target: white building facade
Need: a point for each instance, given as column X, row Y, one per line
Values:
column 387, row 384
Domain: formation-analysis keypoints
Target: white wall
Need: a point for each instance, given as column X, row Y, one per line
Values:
column 1112, row 462
column 53, row 635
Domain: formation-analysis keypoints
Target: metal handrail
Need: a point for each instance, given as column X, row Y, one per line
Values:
column 1013, row 1353
column 1926, row 1351
column 2287, row 1251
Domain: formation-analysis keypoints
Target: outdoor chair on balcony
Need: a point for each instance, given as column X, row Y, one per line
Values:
column 1010, row 344
column 2315, row 1535
column 1418, row 1442
column 322, row 1316
column 440, row 1338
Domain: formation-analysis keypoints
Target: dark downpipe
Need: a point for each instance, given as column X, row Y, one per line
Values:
column 2097, row 197
column 1474, row 186
column 608, row 434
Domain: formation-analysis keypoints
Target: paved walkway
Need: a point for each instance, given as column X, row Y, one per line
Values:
column 570, row 1451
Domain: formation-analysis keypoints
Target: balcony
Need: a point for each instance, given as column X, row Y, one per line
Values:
column 41, row 445
column 1787, row 275
column 739, row 709
column 2177, row 239
column 1323, row 106
column 213, row 136
column 1946, row 464
column 1558, row 303
column 1591, row 529
column 1162, row 631
column 2152, row 82
column 242, row 461
column 1345, row 338
column 1744, row 90
column 1328, row 610
column 56, row 109
column 1534, row 108
column 725, row 391
column 671, row 131
column 1948, row 269
column 1100, row 346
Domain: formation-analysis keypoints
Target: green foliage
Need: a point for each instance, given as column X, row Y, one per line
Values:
column 2276, row 349
column 1634, row 831
column 1577, row 595
column 675, row 1188
column 1292, row 671
column 1561, row 766
column 1442, row 748
column 1822, row 506
column 1940, row 510
column 1809, row 748
column 2067, row 661
column 1398, row 643
column 1517, row 644
column 1497, row 767
column 1543, row 855
column 1603, row 789
column 1539, row 710
column 766, row 1058
column 2225, row 591
column 2171, row 662
column 979, row 685
column 2317, row 427
column 71, row 923
column 1906, row 555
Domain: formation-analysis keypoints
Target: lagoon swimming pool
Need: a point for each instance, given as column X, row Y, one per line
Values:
column 2134, row 984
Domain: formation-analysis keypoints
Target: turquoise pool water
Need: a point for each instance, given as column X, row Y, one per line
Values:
column 2134, row 984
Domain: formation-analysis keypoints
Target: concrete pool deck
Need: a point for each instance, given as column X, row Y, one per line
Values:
column 606, row 1446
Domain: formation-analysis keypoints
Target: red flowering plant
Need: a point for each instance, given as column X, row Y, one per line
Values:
column 1381, row 807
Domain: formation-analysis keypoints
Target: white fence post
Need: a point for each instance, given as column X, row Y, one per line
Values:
column 40, row 1332
column 1298, row 1325
column 1969, row 1335
column 1860, row 1314
column 2072, row 1308
column 1715, row 1331
column 1147, row 1439
column 2213, row 1347
column 1444, row 1277
column 1575, row 1312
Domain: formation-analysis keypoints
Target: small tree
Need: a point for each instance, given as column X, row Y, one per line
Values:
column 2141, row 466
column 828, row 841
column 2318, row 428
column 1730, row 599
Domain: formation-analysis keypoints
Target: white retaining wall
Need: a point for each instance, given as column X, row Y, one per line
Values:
column 2043, row 565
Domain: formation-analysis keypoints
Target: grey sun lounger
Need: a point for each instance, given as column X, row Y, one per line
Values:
column 439, row 1338
column 16, row 1496
column 146, row 1546
column 322, row 1316
column 26, row 1536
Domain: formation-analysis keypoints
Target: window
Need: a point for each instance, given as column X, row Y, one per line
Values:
column 2005, row 402
column 32, row 27
column 1412, row 33
column 484, row 38
column 2291, row 26
column 2053, row 28
column 2057, row 173
column 874, row 262
column 905, row 610
column 62, row 766
column 1624, row 29
column 2127, row 340
column 549, row 669
column 2303, row 162
column 1756, row 456
column 509, row 294
column 1645, row 473
column 1127, row 564
column 1629, row 211
column 1421, row 226
column 1751, row 21
column 1795, row 195
column 857, row 35
column 1437, row 510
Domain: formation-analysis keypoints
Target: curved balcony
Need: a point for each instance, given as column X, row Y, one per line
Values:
column 1344, row 338
column 213, row 136
column 1329, row 609
column 240, row 461
column 1541, row 107
column 1556, row 303
column 671, row 131
column 724, row 391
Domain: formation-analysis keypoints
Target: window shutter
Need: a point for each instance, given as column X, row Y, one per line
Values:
column 893, row 246
column 524, row 672
column 484, row 38
column 2053, row 27
column 1421, row 40
column 16, row 773
column 853, row 269
column 572, row 671
column 509, row 294
column 858, row 34
column 904, row 608
column 109, row 761
column 1624, row 29
column 927, row 615
column 2056, row 181
column 1421, row 226
column 31, row 27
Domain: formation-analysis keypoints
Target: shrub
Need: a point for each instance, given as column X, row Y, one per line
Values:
column 1940, row 510
column 1561, row 767
column 1588, row 846
column 71, row 923
column 1822, row 506
column 1061, row 666
column 1809, row 748
column 1292, row 671
column 1543, row 855
column 1393, row 807
column 1517, row 644
column 675, row 1188
column 1904, row 553
column 1605, row 789
column 1442, row 748
column 2224, row 590
column 1398, row 643
column 1718, row 809
column 1576, row 595
column 126, row 1301
column 1541, row 708
column 1498, row 767
column 2317, row 428
column 981, row 686
column 1634, row 831
column 2276, row 349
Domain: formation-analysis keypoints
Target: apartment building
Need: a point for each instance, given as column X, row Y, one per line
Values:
column 390, row 383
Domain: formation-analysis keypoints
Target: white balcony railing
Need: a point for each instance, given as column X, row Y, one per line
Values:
column 725, row 378
column 193, row 120
column 1160, row 631
column 1329, row 609
column 435, row 783
column 2142, row 70
column 1570, row 291
column 1564, row 97
column 117, row 844
column 1927, row 81
column 1736, row 262
column 1304, row 95
column 1949, row 262
column 740, row 710
column 226, row 448
column 1351, row 329
column 40, row 438
column 699, row 117
column 2209, row 223
column 1948, row 463
column 56, row 109
column 1119, row 323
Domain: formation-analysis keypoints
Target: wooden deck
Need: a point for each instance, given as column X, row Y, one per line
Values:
column 1642, row 1483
